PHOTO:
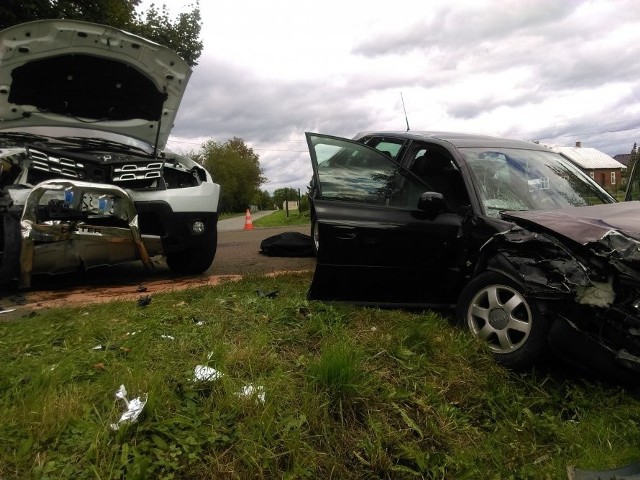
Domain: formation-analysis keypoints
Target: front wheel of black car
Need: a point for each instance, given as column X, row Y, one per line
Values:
column 192, row 261
column 315, row 237
column 495, row 309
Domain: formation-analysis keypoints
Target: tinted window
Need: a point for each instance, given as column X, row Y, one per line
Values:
column 353, row 172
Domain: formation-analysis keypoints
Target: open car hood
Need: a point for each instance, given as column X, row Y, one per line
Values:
column 584, row 224
column 65, row 73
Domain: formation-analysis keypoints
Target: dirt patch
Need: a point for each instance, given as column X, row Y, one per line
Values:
column 238, row 255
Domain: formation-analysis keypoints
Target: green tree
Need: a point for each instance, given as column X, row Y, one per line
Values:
column 181, row 34
column 263, row 200
column 281, row 194
column 236, row 168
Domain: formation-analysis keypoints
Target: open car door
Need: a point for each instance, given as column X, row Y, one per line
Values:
column 375, row 245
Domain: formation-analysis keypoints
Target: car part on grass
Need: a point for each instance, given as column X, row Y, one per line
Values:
column 72, row 221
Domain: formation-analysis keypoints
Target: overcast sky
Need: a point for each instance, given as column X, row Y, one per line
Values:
column 557, row 71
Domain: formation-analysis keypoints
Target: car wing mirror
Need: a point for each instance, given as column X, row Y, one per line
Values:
column 432, row 203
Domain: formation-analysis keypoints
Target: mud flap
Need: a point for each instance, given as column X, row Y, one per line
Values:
column 10, row 253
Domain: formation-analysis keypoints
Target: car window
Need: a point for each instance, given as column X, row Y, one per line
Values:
column 513, row 179
column 439, row 172
column 350, row 171
column 389, row 146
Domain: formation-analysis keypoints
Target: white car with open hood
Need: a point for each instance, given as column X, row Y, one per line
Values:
column 85, row 113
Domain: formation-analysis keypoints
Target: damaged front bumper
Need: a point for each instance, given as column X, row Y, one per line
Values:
column 68, row 224
column 593, row 298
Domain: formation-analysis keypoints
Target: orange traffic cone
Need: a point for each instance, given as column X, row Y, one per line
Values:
column 248, row 224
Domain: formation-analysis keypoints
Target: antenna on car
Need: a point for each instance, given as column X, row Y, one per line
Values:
column 405, row 111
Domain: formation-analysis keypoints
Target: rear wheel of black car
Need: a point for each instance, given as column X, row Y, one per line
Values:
column 495, row 309
column 193, row 260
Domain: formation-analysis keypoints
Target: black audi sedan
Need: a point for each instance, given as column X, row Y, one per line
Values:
column 528, row 251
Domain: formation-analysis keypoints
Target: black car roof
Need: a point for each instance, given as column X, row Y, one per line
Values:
column 459, row 140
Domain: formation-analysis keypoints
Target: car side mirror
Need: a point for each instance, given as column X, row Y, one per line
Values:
column 432, row 203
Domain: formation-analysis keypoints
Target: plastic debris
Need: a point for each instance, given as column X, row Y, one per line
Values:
column 134, row 408
column 98, row 347
column 249, row 391
column 144, row 301
column 167, row 337
column 263, row 294
column 203, row 373
column 2, row 310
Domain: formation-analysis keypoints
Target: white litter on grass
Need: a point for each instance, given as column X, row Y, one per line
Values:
column 134, row 408
column 206, row 374
column 167, row 337
column 250, row 391
column 97, row 347
column 199, row 323
column 8, row 311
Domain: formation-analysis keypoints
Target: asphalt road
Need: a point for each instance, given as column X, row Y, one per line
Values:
column 238, row 254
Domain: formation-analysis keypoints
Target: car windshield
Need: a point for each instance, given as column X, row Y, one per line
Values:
column 513, row 179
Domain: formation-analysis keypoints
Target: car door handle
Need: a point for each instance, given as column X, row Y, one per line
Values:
column 345, row 233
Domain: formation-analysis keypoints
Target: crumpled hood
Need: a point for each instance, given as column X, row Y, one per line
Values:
column 77, row 74
column 584, row 224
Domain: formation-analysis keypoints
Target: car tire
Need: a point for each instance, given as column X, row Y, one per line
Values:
column 192, row 261
column 495, row 309
column 315, row 236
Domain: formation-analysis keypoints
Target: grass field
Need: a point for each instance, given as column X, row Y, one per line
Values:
column 279, row 219
column 348, row 393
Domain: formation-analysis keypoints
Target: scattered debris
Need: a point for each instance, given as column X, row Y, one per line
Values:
column 249, row 391
column 262, row 294
column 203, row 373
column 144, row 301
column 98, row 347
column 168, row 337
column 18, row 299
column 134, row 408
column 141, row 288
column 2, row 310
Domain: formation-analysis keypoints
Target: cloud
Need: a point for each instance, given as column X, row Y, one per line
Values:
column 529, row 69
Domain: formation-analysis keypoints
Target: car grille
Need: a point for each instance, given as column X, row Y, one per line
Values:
column 45, row 166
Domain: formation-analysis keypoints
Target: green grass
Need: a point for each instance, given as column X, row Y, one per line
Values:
column 279, row 219
column 349, row 393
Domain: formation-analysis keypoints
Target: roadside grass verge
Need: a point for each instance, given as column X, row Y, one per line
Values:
column 348, row 393
column 279, row 219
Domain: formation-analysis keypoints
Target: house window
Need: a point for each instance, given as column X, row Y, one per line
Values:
column 613, row 178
